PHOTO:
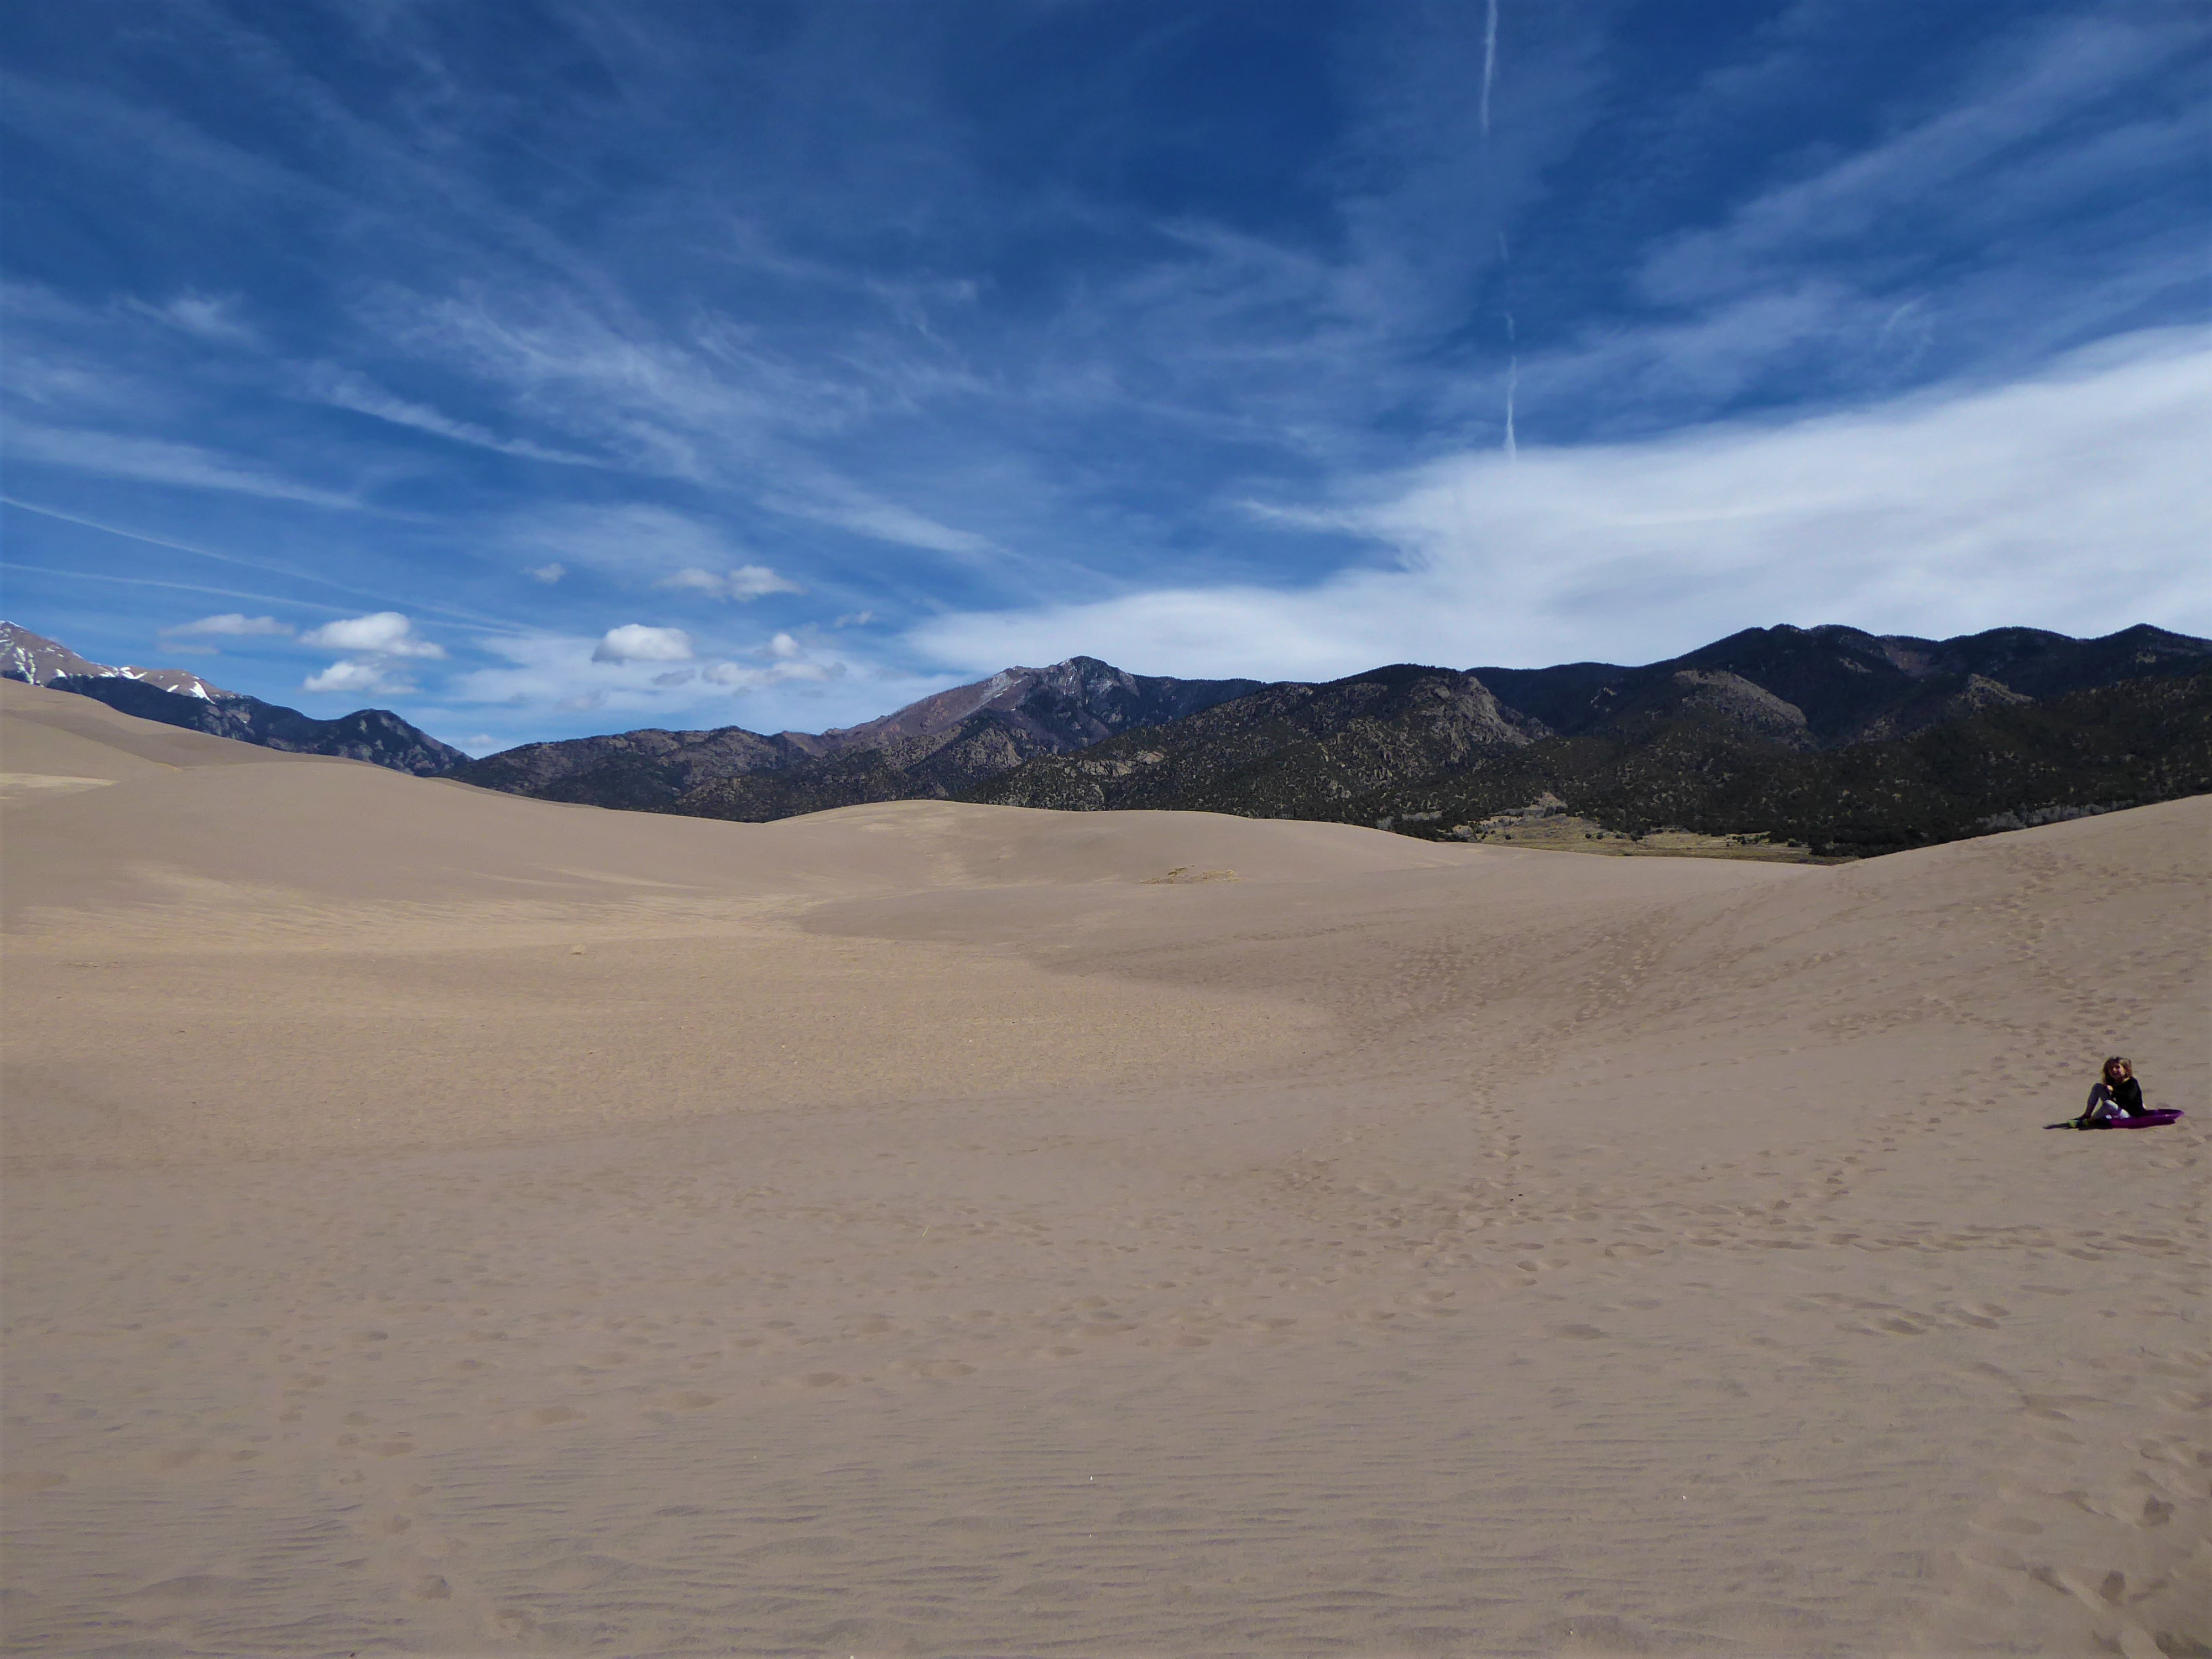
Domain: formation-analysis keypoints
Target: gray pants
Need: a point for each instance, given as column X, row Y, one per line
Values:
column 2101, row 1104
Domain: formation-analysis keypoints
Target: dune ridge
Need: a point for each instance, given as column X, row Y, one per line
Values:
column 444, row 1222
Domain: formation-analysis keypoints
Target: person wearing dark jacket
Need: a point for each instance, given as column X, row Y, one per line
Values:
column 2117, row 1094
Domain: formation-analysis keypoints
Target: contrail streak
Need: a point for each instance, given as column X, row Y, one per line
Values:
column 1512, row 359
column 1512, row 386
column 1489, row 63
column 182, row 587
column 468, row 617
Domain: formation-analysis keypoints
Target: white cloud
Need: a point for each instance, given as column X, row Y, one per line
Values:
column 783, row 646
column 382, row 633
column 230, row 625
column 635, row 642
column 379, row 637
column 736, row 677
column 548, row 573
column 747, row 582
column 2072, row 501
column 370, row 676
column 545, row 679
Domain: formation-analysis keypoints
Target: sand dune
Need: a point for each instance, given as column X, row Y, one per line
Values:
column 439, row 1222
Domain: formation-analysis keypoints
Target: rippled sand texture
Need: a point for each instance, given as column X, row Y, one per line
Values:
column 442, row 1223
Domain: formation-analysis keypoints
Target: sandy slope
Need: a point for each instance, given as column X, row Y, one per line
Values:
column 934, row 1229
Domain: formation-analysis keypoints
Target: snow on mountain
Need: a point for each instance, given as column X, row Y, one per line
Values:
column 177, row 696
column 41, row 661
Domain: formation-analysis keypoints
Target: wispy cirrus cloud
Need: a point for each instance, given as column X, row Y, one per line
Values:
column 2069, row 502
column 986, row 322
column 659, row 405
column 645, row 543
column 161, row 461
column 2011, row 149
column 886, row 521
column 343, row 390
column 230, row 625
column 208, row 317
column 747, row 581
column 707, row 404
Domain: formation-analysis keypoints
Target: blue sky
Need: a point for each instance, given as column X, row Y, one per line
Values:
column 538, row 369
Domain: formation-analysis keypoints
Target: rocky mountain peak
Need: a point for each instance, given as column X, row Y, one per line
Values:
column 177, row 696
column 38, row 660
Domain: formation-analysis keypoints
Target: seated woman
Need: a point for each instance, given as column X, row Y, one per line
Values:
column 2116, row 1095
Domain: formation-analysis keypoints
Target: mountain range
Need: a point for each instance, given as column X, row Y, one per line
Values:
column 37, row 660
column 175, row 697
column 944, row 744
column 1830, row 737
column 1848, row 742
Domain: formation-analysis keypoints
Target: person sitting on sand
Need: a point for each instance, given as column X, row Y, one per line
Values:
column 2116, row 1095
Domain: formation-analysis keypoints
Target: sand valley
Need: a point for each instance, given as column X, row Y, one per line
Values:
column 441, row 1222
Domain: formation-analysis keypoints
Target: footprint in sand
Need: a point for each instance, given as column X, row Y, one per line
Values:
column 813, row 1379
column 191, row 1586
column 1983, row 1314
column 2049, row 1407
column 932, row 1367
